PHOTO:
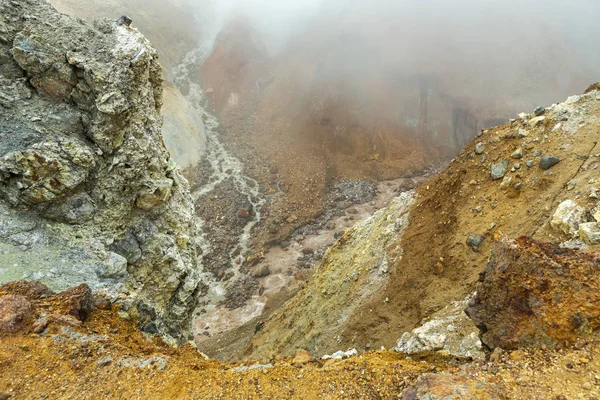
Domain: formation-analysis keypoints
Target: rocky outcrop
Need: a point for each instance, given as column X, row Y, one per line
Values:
column 86, row 183
column 30, row 306
column 449, row 330
column 535, row 293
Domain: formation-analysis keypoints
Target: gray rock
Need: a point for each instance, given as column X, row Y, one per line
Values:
column 115, row 268
column 128, row 247
column 529, row 163
column 449, row 329
column 261, row 272
column 539, row 111
column 76, row 209
column 479, row 148
column 499, row 170
column 537, row 121
column 548, row 162
column 521, row 133
column 474, row 240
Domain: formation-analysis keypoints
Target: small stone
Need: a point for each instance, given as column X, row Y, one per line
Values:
column 529, row 163
column 517, row 166
column 518, row 154
column 537, row 153
column 302, row 357
column 516, row 355
column 104, row 361
column 103, row 304
column 499, row 170
column 539, row 111
column 548, row 162
column 590, row 232
column 78, row 301
column 479, row 209
column 567, row 217
column 537, row 121
column 244, row 213
column 115, row 267
column 506, row 182
column 587, row 386
column 479, row 148
column 261, row 272
column 474, row 240
column 124, row 20
column 521, row 133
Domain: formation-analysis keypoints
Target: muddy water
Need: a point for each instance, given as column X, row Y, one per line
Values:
column 283, row 266
column 224, row 166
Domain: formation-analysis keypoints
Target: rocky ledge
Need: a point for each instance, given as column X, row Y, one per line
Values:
column 88, row 191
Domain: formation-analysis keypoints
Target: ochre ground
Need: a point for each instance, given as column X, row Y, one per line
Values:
column 44, row 367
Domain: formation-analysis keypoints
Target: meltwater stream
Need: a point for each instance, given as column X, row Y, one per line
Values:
column 223, row 166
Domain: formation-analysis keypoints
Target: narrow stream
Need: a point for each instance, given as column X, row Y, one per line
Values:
column 223, row 166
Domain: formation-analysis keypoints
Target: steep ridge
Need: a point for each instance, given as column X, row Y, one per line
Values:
column 86, row 182
column 173, row 31
column 500, row 183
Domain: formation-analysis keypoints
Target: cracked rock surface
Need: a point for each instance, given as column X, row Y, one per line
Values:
column 85, row 179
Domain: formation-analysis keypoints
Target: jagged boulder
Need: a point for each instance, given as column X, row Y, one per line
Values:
column 31, row 305
column 567, row 217
column 534, row 293
column 80, row 144
column 449, row 329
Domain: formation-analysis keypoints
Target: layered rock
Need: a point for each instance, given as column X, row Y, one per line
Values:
column 535, row 293
column 83, row 168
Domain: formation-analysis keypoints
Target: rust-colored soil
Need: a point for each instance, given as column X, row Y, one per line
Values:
column 61, row 365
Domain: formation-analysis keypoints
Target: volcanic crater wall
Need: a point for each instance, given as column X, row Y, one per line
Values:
column 88, row 190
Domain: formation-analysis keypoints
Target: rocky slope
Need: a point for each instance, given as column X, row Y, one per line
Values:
column 513, row 179
column 87, row 186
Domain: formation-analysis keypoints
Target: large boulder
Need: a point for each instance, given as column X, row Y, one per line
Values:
column 81, row 144
column 534, row 294
column 449, row 329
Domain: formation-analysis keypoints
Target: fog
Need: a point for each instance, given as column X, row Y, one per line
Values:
column 420, row 62
column 413, row 64
column 532, row 45
column 434, row 24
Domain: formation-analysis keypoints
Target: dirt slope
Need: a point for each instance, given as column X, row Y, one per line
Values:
column 437, row 266
column 107, row 357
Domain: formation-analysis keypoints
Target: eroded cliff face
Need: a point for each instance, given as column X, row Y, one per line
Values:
column 88, row 190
